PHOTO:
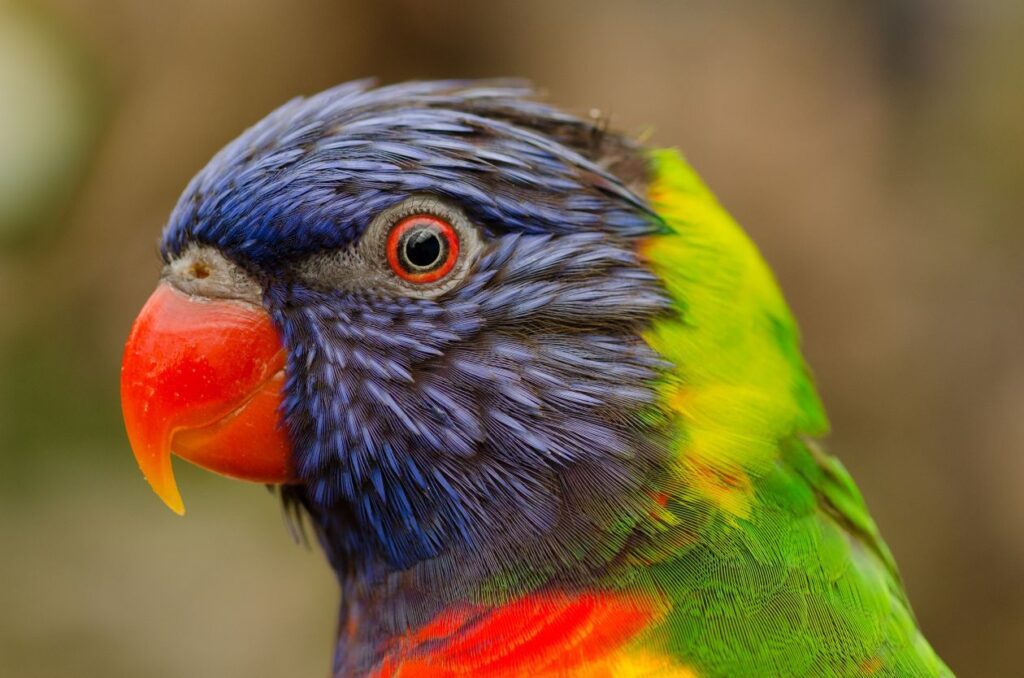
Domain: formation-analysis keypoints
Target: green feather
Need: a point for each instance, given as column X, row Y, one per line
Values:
column 765, row 553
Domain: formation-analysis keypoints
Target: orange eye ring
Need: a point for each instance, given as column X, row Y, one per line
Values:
column 422, row 248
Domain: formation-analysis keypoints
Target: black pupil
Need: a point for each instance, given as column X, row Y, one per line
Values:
column 422, row 248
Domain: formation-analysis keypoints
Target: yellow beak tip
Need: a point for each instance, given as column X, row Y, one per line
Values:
column 174, row 502
column 168, row 493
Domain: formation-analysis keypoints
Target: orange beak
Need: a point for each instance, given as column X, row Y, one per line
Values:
column 202, row 378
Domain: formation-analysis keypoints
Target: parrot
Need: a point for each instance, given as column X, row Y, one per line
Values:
column 534, row 390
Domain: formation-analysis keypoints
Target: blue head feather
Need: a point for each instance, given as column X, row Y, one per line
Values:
column 311, row 175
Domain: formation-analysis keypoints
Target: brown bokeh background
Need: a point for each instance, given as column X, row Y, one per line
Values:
column 874, row 149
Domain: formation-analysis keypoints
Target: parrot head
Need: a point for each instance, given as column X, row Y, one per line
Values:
column 419, row 309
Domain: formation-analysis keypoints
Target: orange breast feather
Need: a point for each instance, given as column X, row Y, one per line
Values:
column 587, row 635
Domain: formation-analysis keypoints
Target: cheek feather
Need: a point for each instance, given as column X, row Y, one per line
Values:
column 450, row 424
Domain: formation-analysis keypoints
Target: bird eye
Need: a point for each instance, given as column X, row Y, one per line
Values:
column 422, row 248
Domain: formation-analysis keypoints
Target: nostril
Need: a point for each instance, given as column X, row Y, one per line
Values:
column 199, row 270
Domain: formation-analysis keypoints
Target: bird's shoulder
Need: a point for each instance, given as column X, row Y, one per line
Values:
column 763, row 547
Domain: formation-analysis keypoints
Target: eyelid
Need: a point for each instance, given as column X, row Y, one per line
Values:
column 469, row 239
column 363, row 267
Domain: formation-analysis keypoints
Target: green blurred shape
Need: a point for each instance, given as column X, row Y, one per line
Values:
column 49, row 118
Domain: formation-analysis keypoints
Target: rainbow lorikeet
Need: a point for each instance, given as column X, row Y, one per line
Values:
column 539, row 395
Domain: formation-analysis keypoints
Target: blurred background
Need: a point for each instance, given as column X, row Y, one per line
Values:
column 874, row 149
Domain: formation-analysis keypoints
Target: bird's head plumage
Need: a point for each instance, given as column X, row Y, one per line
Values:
column 453, row 271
